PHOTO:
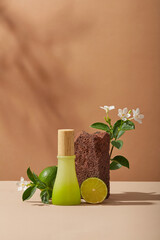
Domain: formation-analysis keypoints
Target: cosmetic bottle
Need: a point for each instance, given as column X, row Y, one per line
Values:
column 66, row 188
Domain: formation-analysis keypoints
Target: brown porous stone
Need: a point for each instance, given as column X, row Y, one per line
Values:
column 92, row 156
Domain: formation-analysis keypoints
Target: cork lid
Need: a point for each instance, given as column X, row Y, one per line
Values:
column 65, row 142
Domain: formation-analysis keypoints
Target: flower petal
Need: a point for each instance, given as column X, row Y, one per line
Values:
column 137, row 111
column 20, row 188
column 124, row 118
column 24, row 188
column 141, row 116
column 138, row 120
column 111, row 107
column 134, row 111
column 125, row 110
column 120, row 111
column 128, row 115
column 21, row 179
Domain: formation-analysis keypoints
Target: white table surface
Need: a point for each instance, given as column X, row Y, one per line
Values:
column 131, row 213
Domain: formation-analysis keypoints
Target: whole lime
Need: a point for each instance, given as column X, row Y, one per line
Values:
column 48, row 175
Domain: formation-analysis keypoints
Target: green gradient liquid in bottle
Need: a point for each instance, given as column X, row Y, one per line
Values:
column 66, row 188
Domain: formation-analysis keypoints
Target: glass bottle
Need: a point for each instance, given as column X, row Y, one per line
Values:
column 66, row 188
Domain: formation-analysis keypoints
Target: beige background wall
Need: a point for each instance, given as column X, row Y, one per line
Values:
column 60, row 61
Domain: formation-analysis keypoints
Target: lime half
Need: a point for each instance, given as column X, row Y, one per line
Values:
column 94, row 190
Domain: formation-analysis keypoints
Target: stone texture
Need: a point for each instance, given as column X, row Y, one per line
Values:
column 92, row 156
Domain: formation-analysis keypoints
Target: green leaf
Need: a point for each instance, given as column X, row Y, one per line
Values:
column 39, row 183
column 118, row 144
column 120, row 133
column 128, row 125
column 101, row 126
column 50, row 193
column 30, row 175
column 121, row 160
column 114, row 165
column 45, row 195
column 116, row 128
column 28, row 193
column 121, row 126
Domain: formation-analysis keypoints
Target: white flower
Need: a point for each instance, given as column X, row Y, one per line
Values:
column 137, row 116
column 22, row 185
column 108, row 108
column 123, row 114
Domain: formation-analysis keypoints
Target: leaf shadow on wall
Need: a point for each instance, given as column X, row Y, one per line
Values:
column 35, row 87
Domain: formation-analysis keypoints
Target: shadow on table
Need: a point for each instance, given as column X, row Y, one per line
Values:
column 130, row 198
column 119, row 199
column 38, row 203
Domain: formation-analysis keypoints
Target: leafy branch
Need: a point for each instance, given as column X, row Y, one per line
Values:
column 36, row 183
column 116, row 131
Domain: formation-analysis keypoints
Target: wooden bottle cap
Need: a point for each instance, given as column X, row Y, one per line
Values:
column 65, row 142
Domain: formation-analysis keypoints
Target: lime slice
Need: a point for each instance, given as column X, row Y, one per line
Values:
column 94, row 190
